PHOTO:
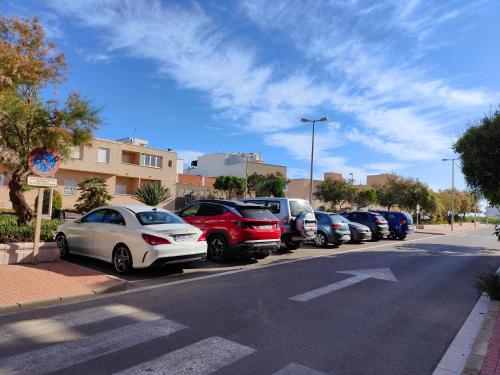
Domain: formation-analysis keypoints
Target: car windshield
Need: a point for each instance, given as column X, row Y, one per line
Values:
column 256, row 213
column 157, row 217
column 337, row 218
column 299, row 206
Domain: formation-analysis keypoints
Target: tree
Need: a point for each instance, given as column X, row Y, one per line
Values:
column 28, row 64
column 152, row 194
column 253, row 181
column 479, row 153
column 364, row 197
column 335, row 192
column 273, row 185
column 56, row 200
column 231, row 185
column 94, row 193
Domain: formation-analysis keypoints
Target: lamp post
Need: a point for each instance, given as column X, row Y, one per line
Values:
column 452, row 191
column 322, row 119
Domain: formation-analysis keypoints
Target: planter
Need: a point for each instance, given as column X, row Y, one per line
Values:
column 21, row 252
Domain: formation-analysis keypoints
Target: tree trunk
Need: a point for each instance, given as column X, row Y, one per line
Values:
column 23, row 210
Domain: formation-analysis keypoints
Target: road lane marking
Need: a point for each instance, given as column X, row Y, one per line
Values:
column 61, row 356
column 359, row 275
column 201, row 358
column 43, row 330
column 296, row 369
column 226, row 273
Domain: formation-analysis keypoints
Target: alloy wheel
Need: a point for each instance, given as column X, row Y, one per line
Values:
column 217, row 248
column 122, row 260
column 62, row 244
column 320, row 240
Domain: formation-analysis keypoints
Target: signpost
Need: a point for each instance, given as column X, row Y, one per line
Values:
column 43, row 163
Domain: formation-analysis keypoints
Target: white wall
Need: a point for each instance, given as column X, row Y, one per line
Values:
column 213, row 165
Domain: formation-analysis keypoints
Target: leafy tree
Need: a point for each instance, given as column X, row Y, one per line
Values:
column 94, row 193
column 479, row 152
column 28, row 64
column 253, row 181
column 56, row 200
column 364, row 197
column 273, row 185
column 335, row 192
column 233, row 186
column 152, row 194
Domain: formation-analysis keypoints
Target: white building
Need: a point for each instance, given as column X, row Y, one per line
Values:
column 493, row 212
column 232, row 164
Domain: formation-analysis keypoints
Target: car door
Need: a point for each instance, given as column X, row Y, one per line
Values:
column 209, row 216
column 81, row 232
column 189, row 214
column 112, row 230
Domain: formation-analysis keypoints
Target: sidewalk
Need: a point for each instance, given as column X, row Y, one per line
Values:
column 446, row 228
column 491, row 363
column 26, row 285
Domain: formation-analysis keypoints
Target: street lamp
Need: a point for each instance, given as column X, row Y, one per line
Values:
column 452, row 190
column 322, row 119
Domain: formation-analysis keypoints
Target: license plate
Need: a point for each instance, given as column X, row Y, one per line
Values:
column 266, row 227
column 184, row 237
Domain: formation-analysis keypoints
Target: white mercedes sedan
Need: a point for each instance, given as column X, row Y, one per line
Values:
column 132, row 236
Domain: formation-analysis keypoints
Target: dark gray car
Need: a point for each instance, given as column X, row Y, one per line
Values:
column 359, row 232
column 331, row 229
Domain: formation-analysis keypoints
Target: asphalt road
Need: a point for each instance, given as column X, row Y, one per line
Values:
column 245, row 321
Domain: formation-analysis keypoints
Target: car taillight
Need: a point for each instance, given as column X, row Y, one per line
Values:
column 154, row 240
column 243, row 224
column 336, row 225
column 378, row 221
column 202, row 238
column 402, row 221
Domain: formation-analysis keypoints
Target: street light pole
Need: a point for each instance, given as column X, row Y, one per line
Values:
column 323, row 119
column 452, row 191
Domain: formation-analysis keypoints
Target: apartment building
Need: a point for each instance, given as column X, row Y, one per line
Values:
column 232, row 164
column 125, row 164
column 299, row 188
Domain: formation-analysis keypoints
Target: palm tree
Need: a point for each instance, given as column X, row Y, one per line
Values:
column 94, row 193
column 152, row 194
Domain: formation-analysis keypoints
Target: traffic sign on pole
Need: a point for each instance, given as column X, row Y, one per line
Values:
column 43, row 162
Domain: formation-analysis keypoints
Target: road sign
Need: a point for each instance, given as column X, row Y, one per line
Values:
column 359, row 275
column 42, row 181
column 43, row 162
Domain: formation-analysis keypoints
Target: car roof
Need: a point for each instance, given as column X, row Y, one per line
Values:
column 326, row 213
column 228, row 203
column 135, row 208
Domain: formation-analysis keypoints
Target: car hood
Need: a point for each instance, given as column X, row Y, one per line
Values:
column 171, row 228
column 359, row 226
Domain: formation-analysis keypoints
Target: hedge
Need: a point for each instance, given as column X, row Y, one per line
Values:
column 10, row 231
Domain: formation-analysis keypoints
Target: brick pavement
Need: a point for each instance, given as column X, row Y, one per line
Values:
column 491, row 364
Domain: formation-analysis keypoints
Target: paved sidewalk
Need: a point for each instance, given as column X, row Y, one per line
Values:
column 31, row 285
column 491, row 364
column 446, row 228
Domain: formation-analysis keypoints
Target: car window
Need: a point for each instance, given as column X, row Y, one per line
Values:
column 362, row 216
column 299, row 206
column 210, row 209
column 190, row 211
column 274, row 207
column 344, row 219
column 256, row 213
column 157, row 217
column 379, row 217
column 94, row 217
column 336, row 218
column 114, row 217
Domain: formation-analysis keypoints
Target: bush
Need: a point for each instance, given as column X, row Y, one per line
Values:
column 10, row 231
column 56, row 201
column 489, row 283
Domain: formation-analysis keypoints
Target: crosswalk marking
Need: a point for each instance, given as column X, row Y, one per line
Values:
column 60, row 356
column 42, row 330
column 201, row 358
column 296, row 369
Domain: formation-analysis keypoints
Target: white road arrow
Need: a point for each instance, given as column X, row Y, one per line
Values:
column 359, row 275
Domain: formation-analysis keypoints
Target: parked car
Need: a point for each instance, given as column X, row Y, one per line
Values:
column 296, row 219
column 331, row 229
column 234, row 228
column 132, row 236
column 376, row 222
column 400, row 223
column 359, row 232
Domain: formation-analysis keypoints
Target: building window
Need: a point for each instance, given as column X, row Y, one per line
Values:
column 103, row 155
column 77, row 152
column 170, row 163
column 70, row 187
column 120, row 189
column 151, row 160
column 2, row 179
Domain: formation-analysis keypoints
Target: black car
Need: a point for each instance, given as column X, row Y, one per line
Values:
column 376, row 222
column 359, row 232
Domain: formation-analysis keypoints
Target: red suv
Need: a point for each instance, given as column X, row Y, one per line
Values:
column 234, row 228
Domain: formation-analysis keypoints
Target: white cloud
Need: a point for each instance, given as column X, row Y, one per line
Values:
column 188, row 156
column 96, row 57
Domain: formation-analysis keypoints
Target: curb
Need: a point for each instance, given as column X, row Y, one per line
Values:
column 480, row 347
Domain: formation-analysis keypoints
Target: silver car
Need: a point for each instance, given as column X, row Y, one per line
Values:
column 296, row 216
column 132, row 236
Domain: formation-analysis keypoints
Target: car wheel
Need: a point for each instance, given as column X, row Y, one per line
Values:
column 217, row 248
column 122, row 259
column 401, row 237
column 392, row 235
column 321, row 240
column 62, row 244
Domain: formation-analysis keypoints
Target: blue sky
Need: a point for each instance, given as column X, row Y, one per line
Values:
column 400, row 80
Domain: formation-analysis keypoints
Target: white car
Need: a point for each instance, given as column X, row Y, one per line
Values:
column 132, row 236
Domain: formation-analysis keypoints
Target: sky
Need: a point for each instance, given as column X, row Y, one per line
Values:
column 399, row 80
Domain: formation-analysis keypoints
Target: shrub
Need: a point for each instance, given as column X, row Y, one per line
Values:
column 93, row 193
column 152, row 194
column 10, row 231
column 489, row 283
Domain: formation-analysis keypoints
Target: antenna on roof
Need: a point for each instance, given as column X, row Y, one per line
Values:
column 133, row 137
